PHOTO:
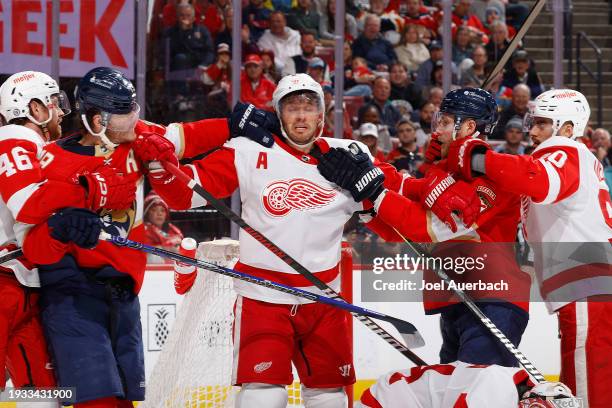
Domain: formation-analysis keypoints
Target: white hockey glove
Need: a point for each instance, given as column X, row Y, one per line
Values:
column 550, row 395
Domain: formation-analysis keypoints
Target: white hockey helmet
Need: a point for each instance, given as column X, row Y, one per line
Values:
column 295, row 83
column 549, row 395
column 21, row 88
column 560, row 105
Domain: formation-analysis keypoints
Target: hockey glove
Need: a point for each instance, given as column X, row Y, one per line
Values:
column 153, row 149
column 460, row 154
column 106, row 188
column 256, row 124
column 77, row 225
column 445, row 196
column 434, row 149
column 353, row 171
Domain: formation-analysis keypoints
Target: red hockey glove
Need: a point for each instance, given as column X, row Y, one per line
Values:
column 460, row 156
column 151, row 149
column 434, row 149
column 444, row 196
column 107, row 188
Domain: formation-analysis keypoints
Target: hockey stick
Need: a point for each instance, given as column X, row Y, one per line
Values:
column 416, row 341
column 535, row 11
column 471, row 305
column 406, row 329
column 11, row 255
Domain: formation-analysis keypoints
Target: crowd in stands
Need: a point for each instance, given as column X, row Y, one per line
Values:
column 393, row 66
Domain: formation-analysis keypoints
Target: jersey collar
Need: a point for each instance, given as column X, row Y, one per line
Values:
column 307, row 158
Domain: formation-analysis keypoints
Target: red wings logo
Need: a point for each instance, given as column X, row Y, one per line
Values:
column 280, row 197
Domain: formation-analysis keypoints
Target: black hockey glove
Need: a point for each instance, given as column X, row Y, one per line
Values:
column 256, row 124
column 353, row 171
column 76, row 225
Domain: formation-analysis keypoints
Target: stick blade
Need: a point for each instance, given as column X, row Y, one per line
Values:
column 409, row 333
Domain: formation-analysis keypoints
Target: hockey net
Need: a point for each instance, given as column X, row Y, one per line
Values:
column 194, row 368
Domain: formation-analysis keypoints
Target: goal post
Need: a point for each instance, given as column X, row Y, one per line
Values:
column 194, row 368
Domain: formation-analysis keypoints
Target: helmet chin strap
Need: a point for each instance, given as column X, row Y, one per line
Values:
column 102, row 134
column 43, row 124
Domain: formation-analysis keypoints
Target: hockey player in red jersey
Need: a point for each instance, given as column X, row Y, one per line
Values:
column 567, row 217
column 32, row 107
column 89, row 305
column 285, row 197
column 464, row 113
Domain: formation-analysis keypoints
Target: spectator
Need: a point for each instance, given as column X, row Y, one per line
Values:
column 513, row 135
column 368, row 135
column 479, row 7
column 190, row 44
column 462, row 16
column 435, row 95
column 406, row 156
column 158, row 229
column 518, row 108
column 402, row 86
column 225, row 35
column 462, row 47
column 316, row 70
column 358, row 78
column 212, row 15
column 495, row 12
column 169, row 13
column 523, row 72
column 255, row 88
column 328, row 130
column 304, row 18
column 411, row 51
column 424, row 116
column 370, row 113
column 417, row 14
column 423, row 76
column 219, row 74
column 257, row 18
column 600, row 146
column 476, row 74
column 327, row 25
column 298, row 64
column 381, row 91
column 373, row 47
column 391, row 23
column 284, row 41
column 498, row 42
column 270, row 68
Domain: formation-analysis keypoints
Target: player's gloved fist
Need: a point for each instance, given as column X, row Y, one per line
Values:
column 445, row 196
column 460, row 153
column 76, row 225
column 256, row 124
column 154, row 150
column 106, row 188
column 434, row 149
column 352, row 170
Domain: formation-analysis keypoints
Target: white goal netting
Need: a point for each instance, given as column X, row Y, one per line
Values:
column 194, row 368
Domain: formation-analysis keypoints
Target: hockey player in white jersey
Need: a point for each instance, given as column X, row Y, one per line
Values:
column 285, row 197
column 567, row 215
column 463, row 385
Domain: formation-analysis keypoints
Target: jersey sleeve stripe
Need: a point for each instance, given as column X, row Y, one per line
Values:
column 174, row 133
column 19, row 198
column 196, row 200
column 9, row 132
column 554, row 183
